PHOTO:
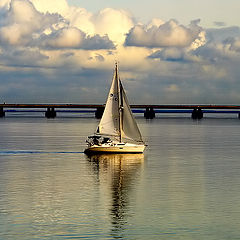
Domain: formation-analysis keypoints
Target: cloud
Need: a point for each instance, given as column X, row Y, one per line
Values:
column 22, row 57
column 51, row 51
column 170, row 54
column 222, row 45
column 169, row 34
column 22, row 21
column 234, row 44
column 99, row 58
column 211, row 47
column 221, row 34
column 155, row 22
column 25, row 26
column 81, row 19
column 73, row 38
column 114, row 22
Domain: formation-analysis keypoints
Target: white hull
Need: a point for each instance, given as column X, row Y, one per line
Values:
column 126, row 148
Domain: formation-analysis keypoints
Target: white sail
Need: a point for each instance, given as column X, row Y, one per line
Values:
column 117, row 119
column 130, row 129
column 109, row 124
column 117, row 131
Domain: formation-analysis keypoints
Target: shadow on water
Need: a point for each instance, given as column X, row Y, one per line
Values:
column 123, row 170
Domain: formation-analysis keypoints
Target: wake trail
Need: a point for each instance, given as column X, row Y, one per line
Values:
column 16, row 152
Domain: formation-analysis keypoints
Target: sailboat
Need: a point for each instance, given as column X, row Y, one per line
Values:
column 117, row 131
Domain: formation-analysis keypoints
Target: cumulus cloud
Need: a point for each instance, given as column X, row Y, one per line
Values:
column 24, row 25
column 53, row 24
column 115, row 22
column 221, row 34
column 222, row 45
column 169, row 34
column 155, row 22
column 212, row 46
column 22, row 21
column 74, row 38
column 81, row 19
column 171, row 54
column 210, row 53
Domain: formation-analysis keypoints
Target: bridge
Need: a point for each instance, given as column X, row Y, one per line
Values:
column 149, row 110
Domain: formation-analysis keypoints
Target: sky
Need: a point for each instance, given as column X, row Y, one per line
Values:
column 169, row 51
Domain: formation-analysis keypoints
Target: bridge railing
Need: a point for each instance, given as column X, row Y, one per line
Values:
column 149, row 111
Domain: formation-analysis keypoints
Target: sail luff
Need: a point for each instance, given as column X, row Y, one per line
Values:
column 109, row 123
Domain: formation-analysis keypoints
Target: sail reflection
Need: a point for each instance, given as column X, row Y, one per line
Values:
column 123, row 171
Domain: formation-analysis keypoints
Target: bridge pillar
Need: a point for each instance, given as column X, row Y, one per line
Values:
column 197, row 113
column 2, row 113
column 149, row 113
column 99, row 112
column 50, row 113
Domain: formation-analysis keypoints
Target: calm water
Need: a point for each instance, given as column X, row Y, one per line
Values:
column 185, row 186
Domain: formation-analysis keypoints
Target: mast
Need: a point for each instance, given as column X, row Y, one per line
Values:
column 120, row 101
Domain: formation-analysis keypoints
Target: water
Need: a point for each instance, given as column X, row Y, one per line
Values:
column 185, row 186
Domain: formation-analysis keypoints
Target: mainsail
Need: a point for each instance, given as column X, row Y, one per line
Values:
column 117, row 119
column 109, row 124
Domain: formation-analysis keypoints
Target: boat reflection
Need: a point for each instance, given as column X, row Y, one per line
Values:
column 120, row 172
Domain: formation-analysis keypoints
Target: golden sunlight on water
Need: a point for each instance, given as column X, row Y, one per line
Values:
column 185, row 186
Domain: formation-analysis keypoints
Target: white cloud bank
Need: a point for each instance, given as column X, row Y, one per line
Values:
column 169, row 34
column 24, row 25
column 63, row 53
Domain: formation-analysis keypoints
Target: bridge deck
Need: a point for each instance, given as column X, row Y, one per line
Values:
column 136, row 106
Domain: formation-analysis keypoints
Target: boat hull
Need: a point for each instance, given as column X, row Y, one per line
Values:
column 115, row 149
